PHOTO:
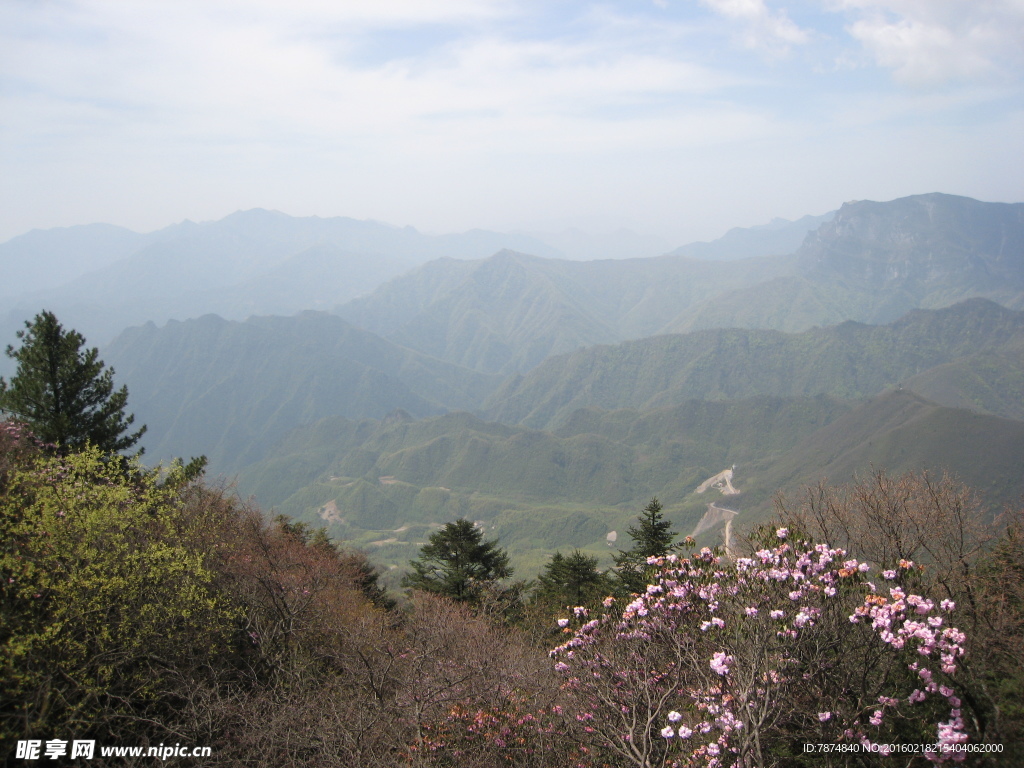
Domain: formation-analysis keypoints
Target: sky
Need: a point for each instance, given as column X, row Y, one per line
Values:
column 675, row 118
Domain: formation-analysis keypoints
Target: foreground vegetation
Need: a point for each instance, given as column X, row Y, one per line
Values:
column 145, row 608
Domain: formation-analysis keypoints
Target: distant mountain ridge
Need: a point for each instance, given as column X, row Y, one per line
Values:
column 250, row 262
column 549, row 398
column 851, row 360
column 43, row 259
column 922, row 244
column 870, row 262
column 507, row 313
column 776, row 238
column 231, row 389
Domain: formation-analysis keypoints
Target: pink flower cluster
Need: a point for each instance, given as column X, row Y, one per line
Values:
column 781, row 592
column 906, row 621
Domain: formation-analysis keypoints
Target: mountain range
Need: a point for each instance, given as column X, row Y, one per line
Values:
column 870, row 262
column 479, row 375
column 851, row 360
column 101, row 279
column 586, row 438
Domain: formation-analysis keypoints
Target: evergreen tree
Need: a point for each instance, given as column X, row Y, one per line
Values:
column 458, row 563
column 64, row 393
column 573, row 580
column 653, row 537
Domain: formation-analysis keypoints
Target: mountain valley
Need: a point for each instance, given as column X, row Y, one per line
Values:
column 481, row 376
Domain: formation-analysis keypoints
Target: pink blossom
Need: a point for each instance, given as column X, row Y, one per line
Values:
column 720, row 662
column 824, row 716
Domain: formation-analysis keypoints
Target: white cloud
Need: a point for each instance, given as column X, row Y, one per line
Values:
column 193, row 73
column 927, row 42
column 459, row 113
column 763, row 28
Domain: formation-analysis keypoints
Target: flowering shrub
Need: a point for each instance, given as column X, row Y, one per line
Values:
column 740, row 663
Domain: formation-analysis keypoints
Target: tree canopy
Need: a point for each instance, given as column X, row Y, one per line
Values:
column 652, row 537
column 64, row 392
column 458, row 563
column 573, row 580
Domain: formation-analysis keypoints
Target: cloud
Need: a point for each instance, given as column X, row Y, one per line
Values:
column 763, row 28
column 928, row 42
column 458, row 113
column 192, row 71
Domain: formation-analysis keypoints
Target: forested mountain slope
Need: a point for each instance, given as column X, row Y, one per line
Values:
column 230, row 389
column 851, row 360
column 385, row 484
column 900, row 431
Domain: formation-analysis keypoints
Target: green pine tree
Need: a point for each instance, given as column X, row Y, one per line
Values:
column 458, row 563
column 64, row 393
column 573, row 580
column 652, row 537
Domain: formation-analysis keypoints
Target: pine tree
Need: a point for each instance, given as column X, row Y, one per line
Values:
column 573, row 580
column 458, row 563
column 653, row 537
column 64, row 393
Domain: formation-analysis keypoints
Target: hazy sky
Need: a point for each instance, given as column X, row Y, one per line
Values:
column 679, row 118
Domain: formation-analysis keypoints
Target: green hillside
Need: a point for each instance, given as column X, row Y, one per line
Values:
column 384, row 485
column 901, row 431
column 366, row 479
column 793, row 303
column 231, row 389
column 983, row 382
column 847, row 361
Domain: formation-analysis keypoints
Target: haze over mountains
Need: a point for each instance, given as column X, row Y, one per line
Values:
column 479, row 375
column 871, row 262
column 101, row 279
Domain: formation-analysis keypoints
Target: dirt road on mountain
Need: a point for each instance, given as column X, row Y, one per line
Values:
column 722, row 481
